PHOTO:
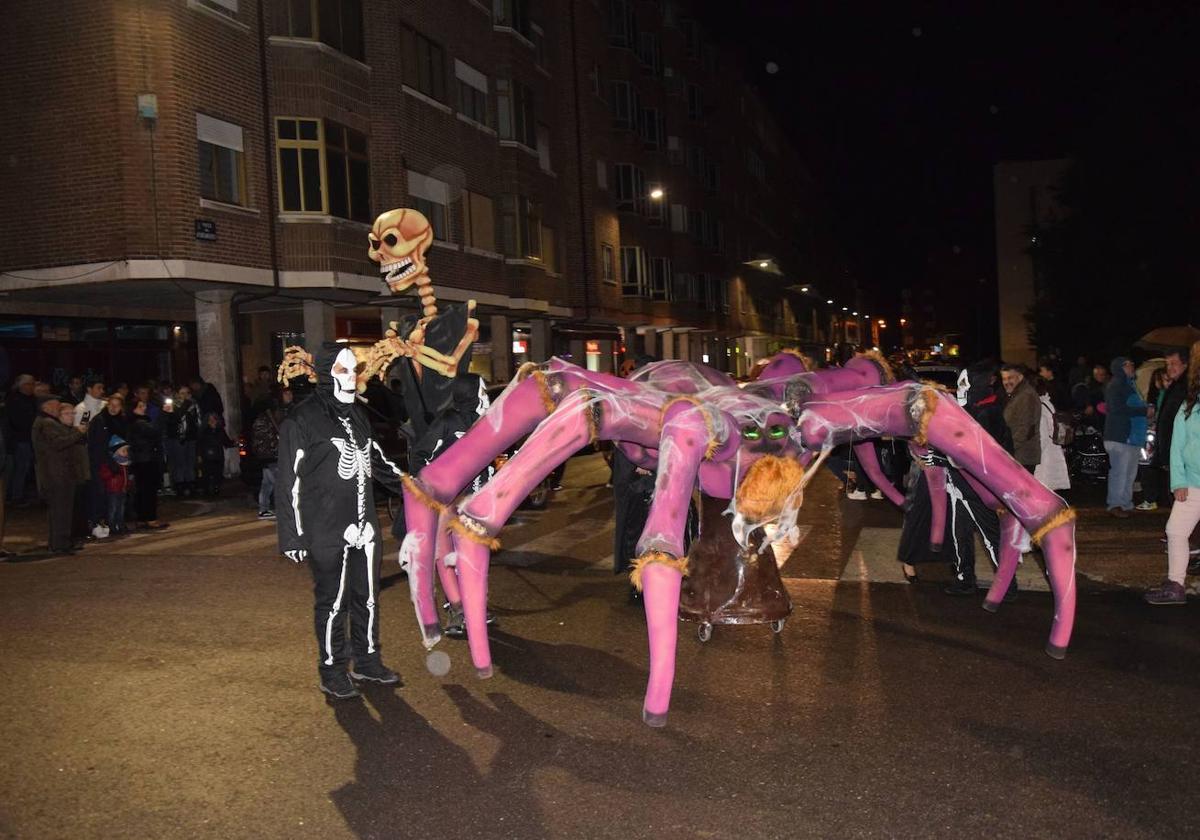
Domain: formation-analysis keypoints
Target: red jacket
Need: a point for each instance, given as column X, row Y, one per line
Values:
column 115, row 480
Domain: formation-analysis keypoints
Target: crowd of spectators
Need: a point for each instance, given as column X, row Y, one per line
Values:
column 100, row 455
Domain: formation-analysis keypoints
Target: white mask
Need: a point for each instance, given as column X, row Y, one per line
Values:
column 344, row 385
column 964, row 385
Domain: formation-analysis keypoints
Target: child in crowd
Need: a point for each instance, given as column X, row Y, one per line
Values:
column 114, row 472
column 210, row 446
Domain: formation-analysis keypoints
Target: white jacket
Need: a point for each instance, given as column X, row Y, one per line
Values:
column 86, row 410
column 1052, row 470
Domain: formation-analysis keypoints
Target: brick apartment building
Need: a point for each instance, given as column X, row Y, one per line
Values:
column 189, row 183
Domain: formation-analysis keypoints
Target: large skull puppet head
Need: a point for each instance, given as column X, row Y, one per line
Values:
column 399, row 240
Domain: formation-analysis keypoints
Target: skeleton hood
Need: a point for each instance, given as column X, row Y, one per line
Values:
column 328, row 386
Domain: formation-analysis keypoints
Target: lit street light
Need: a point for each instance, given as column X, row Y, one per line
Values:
column 656, row 193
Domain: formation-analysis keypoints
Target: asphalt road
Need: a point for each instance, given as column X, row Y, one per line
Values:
column 163, row 686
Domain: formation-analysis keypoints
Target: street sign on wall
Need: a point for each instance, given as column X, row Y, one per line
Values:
column 206, row 229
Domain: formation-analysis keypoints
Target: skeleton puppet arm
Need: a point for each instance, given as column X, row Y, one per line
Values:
column 293, row 542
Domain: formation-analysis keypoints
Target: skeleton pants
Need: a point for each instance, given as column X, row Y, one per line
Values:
column 346, row 586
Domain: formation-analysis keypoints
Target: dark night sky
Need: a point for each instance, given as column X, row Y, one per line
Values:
column 901, row 108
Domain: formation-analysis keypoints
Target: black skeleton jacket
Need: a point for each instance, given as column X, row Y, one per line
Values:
column 321, row 502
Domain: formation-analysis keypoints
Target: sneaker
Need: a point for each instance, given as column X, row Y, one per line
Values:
column 961, row 587
column 877, row 495
column 857, row 495
column 339, row 687
column 1167, row 593
column 99, row 531
column 266, row 514
column 375, row 672
column 1147, row 506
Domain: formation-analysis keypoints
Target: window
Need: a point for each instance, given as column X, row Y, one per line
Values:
column 695, row 162
column 348, row 175
column 626, row 105
column 679, row 218
column 335, row 23
column 660, row 278
column 519, row 223
column 225, row 7
column 606, row 264
column 695, row 100
column 622, row 27
column 515, row 114
column 691, row 37
column 683, row 288
column 674, row 150
column 602, row 174
column 651, row 128
column 549, row 253
column 431, row 198
column 424, row 64
column 543, row 147
column 631, row 188
column 222, row 160
column 538, row 36
column 705, row 291
column 301, row 169
column 472, row 92
column 513, row 14
column 755, row 165
column 633, row 271
column 695, row 224
column 649, row 52
column 479, row 221
column 712, row 176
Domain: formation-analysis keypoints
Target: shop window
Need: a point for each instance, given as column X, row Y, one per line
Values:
column 221, row 159
column 335, row 23
column 323, row 168
column 472, row 92
column 431, row 198
column 424, row 64
column 479, row 221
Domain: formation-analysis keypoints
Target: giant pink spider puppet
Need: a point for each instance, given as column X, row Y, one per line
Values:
column 756, row 446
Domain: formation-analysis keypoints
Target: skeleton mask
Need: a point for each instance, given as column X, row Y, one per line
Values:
column 344, row 386
column 964, row 385
column 398, row 242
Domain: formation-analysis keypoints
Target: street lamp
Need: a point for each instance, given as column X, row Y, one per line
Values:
column 656, row 193
column 763, row 263
column 845, row 308
column 804, row 289
column 830, row 301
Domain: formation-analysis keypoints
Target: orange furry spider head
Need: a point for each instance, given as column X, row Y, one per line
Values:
column 767, row 485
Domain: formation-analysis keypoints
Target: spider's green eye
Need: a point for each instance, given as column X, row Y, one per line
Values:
column 776, row 432
column 751, row 432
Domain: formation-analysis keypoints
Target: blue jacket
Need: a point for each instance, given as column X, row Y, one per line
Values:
column 1185, row 449
column 1125, row 421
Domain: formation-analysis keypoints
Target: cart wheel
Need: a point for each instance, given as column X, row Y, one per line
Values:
column 704, row 631
column 777, row 625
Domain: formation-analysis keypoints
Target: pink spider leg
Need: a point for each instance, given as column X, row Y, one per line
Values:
column 582, row 416
column 444, row 560
column 922, row 412
column 935, row 486
column 515, row 413
column 658, row 570
column 869, row 461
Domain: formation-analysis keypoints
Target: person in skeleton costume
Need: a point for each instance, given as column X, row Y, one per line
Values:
column 326, row 515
